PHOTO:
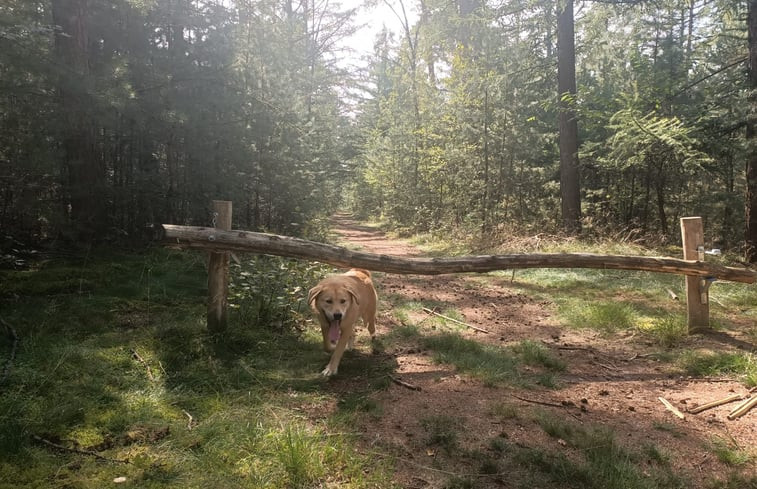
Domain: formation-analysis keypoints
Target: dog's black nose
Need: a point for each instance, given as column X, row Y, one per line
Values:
column 337, row 316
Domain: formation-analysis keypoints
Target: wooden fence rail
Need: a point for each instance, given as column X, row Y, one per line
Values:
column 220, row 241
column 213, row 239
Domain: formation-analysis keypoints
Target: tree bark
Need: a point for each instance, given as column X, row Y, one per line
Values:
column 570, row 187
column 271, row 244
column 751, row 137
column 85, row 178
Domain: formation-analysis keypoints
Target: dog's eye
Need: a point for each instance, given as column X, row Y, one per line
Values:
column 329, row 301
column 344, row 301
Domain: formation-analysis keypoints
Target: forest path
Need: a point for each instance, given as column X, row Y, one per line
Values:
column 610, row 382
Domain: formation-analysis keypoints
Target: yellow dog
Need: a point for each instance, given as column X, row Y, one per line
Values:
column 338, row 301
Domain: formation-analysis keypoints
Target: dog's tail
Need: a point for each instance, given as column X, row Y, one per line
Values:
column 361, row 270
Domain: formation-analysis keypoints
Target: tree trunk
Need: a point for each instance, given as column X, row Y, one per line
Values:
column 429, row 50
column 485, row 218
column 660, row 190
column 751, row 136
column 85, row 178
column 570, row 187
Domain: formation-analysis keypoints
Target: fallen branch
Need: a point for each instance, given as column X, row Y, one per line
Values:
column 607, row 366
column 716, row 403
column 190, row 423
column 77, row 451
column 713, row 299
column 141, row 360
column 218, row 240
column 14, row 347
column 642, row 355
column 573, row 348
column 429, row 311
column 541, row 403
column 671, row 408
column 404, row 384
column 743, row 408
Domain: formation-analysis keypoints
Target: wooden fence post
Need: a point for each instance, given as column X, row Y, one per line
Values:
column 218, row 272
column 697, row 298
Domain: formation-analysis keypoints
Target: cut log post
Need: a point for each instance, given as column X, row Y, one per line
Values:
column 218, row 270
column 212, row 239
column 743, row 408
column 716, row 403
column 697, row 303
column 671, row 407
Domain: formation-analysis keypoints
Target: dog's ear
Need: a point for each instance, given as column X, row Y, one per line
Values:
column 353, row 293
column 313, row 293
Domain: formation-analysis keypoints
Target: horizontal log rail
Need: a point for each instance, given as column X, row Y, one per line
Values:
column 214, row 239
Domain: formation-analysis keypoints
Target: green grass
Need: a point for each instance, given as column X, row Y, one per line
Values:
column 729, row 454
column 742, row 365
column 536, row 354
column 734, row 481
column 667, row 330
column 491, row 364
column 671, row 428
column 442, row 431
column 600, row 461
column 76, row 382
column 611, row 302
column 608, row 301
column 603, row 316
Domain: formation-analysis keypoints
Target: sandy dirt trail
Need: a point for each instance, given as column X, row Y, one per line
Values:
column 608, row 381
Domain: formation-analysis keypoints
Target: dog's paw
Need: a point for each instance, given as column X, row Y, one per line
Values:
column 327, row 372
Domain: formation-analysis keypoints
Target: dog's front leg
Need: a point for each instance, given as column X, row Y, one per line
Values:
column 336, row 357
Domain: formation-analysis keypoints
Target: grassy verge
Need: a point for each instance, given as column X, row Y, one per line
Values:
column 614, row 301
column 492, row 365
column 579, row 455
column 113, row 359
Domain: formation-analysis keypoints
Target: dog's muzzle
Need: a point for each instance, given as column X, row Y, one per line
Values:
column 334, row 323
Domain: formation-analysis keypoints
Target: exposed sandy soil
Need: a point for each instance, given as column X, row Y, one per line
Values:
column 608, row 382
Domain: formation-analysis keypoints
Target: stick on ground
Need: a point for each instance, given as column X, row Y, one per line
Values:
column 541, row 403
column 77, row 451
column 671, row 408
column 404, row 384
column 429, row 311
column 743, row 408
column 190, row 423
column 141, row 360
column 718, row 402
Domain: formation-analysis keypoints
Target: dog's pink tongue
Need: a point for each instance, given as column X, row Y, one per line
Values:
column 334, row 331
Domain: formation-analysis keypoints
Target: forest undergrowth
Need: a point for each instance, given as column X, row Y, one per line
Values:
column 109, row 374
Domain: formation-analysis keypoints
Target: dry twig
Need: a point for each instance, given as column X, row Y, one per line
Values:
column 541, row 403
column 428, row 315
column 77, row 451
column 671, row 408
column 190, row 423
column 404, row 384
column 429, row 311
column 141, row 360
